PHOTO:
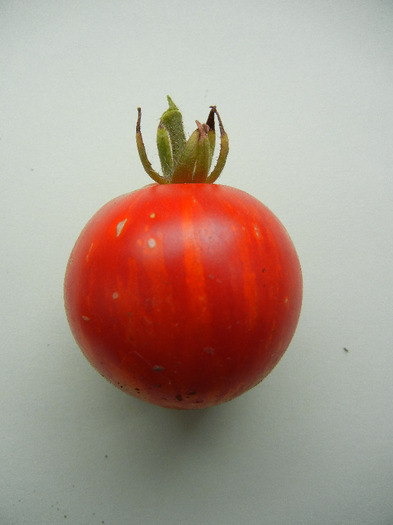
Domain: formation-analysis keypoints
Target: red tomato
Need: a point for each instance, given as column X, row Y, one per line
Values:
column 184, row 295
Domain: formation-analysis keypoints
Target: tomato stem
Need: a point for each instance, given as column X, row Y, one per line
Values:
column 184, row 161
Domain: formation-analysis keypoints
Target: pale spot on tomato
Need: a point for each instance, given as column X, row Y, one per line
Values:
column 151, row 243
column 85, row 318
column 208, row 350
column 120, row 226
column 152, row 215
column 90, row 250
column 286, row 300
column 115, row 295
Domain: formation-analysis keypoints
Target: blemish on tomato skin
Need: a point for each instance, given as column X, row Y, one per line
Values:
column 209, row 350
column 257, row 231
column 151, row 243
column 115, row 295
column 158, row 368
column 120, row 226
column 152, row 215
column 89, row 252
column 85, row 318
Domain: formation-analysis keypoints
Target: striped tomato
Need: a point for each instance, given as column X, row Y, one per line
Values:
column 184, row 294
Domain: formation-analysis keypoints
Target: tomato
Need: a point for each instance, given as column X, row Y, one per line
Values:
column 183, row 295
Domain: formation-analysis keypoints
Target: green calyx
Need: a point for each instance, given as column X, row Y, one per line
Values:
column 184, row 161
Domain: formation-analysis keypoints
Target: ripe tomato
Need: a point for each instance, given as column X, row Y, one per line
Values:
column 184, row 295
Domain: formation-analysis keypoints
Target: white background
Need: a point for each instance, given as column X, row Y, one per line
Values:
column 305, row 92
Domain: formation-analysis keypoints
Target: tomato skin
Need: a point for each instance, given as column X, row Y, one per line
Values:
column 183, row 295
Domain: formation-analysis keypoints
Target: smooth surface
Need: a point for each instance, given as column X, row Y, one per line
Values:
column 305, row 93
column 184, row 295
